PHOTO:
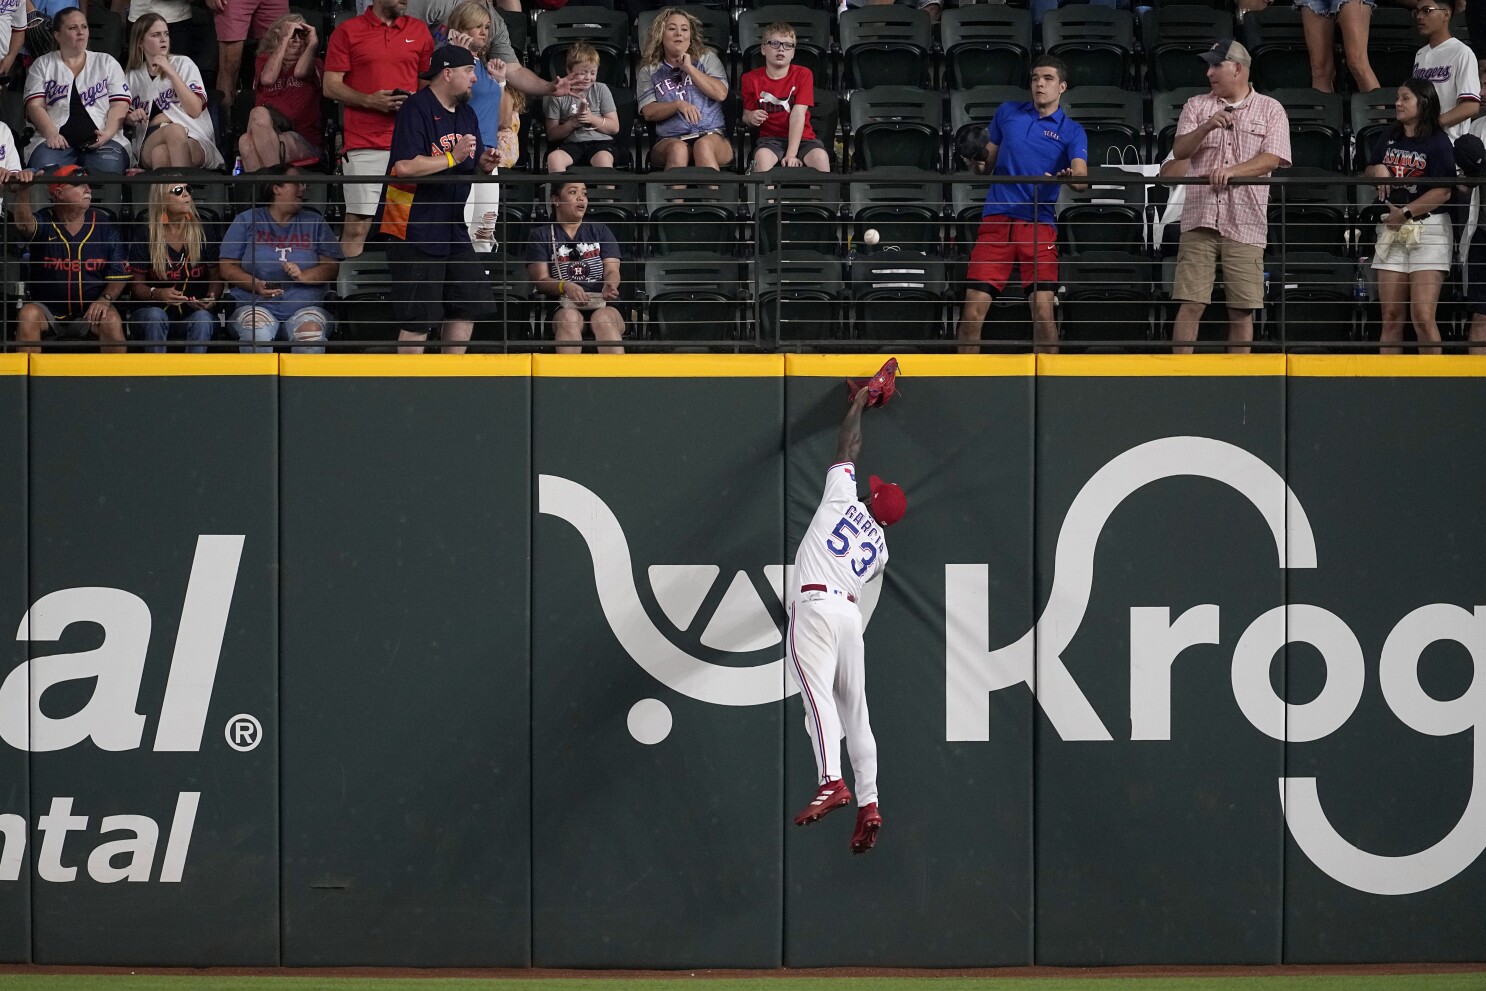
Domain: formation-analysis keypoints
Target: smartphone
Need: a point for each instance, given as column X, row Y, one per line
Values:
column 401, row 92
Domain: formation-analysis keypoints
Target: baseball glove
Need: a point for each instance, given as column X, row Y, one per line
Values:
column 880, row 387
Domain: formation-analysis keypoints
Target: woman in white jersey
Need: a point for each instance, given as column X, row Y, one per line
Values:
column 76, row 100
column 167, row 110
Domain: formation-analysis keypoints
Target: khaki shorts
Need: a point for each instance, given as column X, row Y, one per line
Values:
column 1202, row 252
column 362, row 199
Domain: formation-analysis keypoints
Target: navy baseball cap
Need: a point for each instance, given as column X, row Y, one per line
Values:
column 1227, row 50
column 447, row 57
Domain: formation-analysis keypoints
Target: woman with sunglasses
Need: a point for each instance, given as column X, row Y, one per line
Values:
column 167, row 103
column 280, row 261
column 681, row 85
column 76, row 100
column 174, row 271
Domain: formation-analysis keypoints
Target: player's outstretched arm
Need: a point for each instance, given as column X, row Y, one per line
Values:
column 850, row 442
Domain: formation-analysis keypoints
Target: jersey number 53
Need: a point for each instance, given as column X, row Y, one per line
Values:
column 839, row 544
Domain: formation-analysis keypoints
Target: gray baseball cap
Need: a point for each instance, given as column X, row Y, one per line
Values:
column 1227, row 50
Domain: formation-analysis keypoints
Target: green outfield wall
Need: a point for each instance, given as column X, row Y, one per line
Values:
column 477, row 661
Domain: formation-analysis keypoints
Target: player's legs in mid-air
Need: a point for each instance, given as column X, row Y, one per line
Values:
column 812, row 644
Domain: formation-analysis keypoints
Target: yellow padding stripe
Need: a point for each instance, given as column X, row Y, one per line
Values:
column 946, row 365
column 1160, row 365
column 15, row 364
column 658, row 365
column 1387, row 365
column 404, row 365
column 152, row 365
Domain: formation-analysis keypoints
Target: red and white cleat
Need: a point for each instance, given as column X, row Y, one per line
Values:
column 831, row 796
column 869, row 821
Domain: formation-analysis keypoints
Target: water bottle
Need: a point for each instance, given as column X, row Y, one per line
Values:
column 237, row 166
column 1359, row 287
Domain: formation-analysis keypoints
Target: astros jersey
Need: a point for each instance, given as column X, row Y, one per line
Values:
column 99, row 85
column 844, row 547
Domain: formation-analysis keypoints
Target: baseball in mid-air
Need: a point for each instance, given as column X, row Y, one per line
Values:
column 870, row 236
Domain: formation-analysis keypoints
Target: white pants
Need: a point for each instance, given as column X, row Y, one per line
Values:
column 826, row 656
column 480, row 211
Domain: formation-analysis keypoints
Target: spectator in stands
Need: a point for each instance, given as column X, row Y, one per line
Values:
column 680, row 86
column 1227, row 133
column 279, row 261
column 1414, row 245
column 167, row 103
column 1450, row 64
column 234, row 19
column 372, row 66
column 12, row 33
column 437, row 134
column 10, row 158
column 1016, row 228
column 284, row 127
column 577, row 264
column 1320, row 20
column 470, row 27
column 77, row 271
column 777, row 98
column 184, row 38
column 174, row 270
column 436, row 13
column 581, row 126
column 508, row 143
column 77, row 100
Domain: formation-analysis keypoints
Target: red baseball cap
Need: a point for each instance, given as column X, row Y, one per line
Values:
column 888, row 501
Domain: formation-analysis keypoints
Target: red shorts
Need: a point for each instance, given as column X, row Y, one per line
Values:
column 1003, row 241
column 234, row 20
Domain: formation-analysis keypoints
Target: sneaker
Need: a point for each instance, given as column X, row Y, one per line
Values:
column 832, row 795
column 869, row 821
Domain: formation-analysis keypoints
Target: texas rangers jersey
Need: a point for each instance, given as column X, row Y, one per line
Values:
column 1451, row 66
column 12, row 18
column 844, row 548
column 145, row 91
column 100, row 84
column 10, row 156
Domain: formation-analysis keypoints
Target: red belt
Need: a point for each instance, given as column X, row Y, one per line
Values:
column 822, row 588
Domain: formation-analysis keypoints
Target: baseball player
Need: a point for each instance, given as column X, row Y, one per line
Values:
column 843, row 549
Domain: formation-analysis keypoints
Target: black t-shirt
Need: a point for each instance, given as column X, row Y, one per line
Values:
column 430, row 216
column 193, row 280
column 1412, row 158
column 577, row 259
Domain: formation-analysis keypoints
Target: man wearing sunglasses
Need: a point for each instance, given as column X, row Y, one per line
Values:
column 1450, row 65
column 77, row 272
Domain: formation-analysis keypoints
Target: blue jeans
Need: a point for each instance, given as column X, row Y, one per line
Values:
column 154, row 324
column 110, row 158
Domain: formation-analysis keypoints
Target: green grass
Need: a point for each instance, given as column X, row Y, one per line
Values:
column 1309, row 982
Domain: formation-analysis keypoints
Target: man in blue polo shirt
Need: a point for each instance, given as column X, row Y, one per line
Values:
column 442, row 282
column 1034, row 138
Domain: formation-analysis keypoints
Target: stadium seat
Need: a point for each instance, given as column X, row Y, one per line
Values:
column 812, row 39
column 1114, row 121
column 800, row 297
column 1310, row 216
column 108, row 33
column 986, row 45
column 1276, row 41
column 518, row 27
column 802, row 212
column 1166, row 113
column 966, row 205
column 1108, row 216
column 1315, row 126
column 1314, row 299
column 905, row 207
column 885, row 46
column 896, row 126
column 975, row 107
column 364, row 288
column 615, row 200
column 1174, row 35
column 1107, row 297
column 690, row 211
column 1392, row 41
column 1097, row 43
column 606, row 30
column 694, row 296
column 1371, row 116
column 898, row 295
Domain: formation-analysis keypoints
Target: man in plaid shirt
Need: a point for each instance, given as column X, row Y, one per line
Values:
column 1229, row 133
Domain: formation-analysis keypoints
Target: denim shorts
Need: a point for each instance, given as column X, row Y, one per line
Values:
column 1329, row 8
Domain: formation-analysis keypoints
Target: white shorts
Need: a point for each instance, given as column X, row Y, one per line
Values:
column 1433, row 252
column 362, row 199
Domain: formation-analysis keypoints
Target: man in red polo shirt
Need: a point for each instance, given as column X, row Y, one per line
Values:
column 371, row 66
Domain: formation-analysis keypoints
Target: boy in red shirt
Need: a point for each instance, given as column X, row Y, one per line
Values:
column 777, row 99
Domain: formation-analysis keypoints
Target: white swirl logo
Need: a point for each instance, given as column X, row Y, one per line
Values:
column 741, row 623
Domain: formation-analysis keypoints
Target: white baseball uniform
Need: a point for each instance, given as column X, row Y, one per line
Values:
column 843, row 549
column 146, row 90
column 100, row 85
column 10, row 156
column 12, row 18
column 1451, row 66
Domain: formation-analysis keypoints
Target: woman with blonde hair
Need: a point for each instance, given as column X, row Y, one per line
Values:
column 284, row 126
column 470, row 26
column 680, row 87
column 174, row 271
column 167, row 107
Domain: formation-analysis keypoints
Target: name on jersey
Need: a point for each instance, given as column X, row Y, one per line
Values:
column 166, row 98
column 55, row 91
column 1404, row 163
column 1433, row 73
column 74, row 266
column 446, row 143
